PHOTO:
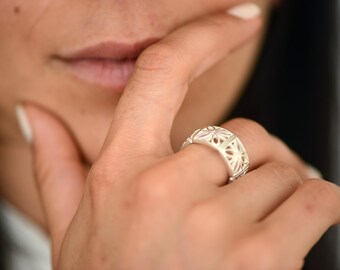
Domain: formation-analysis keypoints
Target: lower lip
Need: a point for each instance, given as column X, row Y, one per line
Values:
column 105, row 73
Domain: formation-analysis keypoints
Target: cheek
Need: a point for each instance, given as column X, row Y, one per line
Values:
column 25, row 75
column 26, row 42
column 19, row 51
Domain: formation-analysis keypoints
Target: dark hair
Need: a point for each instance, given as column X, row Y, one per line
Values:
column 293, row 93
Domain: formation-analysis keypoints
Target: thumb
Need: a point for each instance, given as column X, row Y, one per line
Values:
column 59, row 172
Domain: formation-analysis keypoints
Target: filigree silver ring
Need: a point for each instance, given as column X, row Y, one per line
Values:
column 228, row 146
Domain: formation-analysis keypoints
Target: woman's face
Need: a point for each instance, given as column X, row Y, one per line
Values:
column 74, row 58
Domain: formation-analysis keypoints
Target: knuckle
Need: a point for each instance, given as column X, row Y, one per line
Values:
column 100, row 180
column 158, row 61
column 152, row 188
column 321, row 197
column 284, row 173
column 208, row 219
column 254, row 252
column 249, row 128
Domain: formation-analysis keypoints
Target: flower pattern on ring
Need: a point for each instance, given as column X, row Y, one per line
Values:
column 237, row 157
column 214, row 135
column 229, row 146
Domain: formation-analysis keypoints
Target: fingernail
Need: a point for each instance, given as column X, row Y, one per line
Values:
column 23, row 122
column 313, row 172
column 246, row 11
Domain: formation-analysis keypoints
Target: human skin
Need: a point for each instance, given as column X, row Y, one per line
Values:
column 31, row 32
column 145, row 206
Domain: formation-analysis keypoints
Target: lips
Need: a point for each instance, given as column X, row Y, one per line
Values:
column 107, row 64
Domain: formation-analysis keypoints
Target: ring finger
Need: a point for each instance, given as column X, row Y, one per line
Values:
column 202, row 163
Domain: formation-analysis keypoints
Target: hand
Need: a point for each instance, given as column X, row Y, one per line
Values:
column 144, row 207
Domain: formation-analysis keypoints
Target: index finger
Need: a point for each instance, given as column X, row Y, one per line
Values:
column 153, row 96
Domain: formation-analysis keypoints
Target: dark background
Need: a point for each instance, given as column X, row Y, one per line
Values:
column 293, row 93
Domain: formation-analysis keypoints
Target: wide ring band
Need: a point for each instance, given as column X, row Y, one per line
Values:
column 228, row 146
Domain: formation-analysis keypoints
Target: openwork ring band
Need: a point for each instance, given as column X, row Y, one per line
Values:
column 228, row 146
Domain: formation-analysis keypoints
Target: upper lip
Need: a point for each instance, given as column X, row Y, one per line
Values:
column 110, row 50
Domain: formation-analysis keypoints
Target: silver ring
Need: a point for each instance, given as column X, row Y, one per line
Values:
column 227, row 144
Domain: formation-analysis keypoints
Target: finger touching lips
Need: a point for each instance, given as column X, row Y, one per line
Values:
column 148, row 106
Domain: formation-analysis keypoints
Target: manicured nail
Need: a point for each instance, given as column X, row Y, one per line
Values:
column 313, row 172
column 246, row 11
column 23, row 122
